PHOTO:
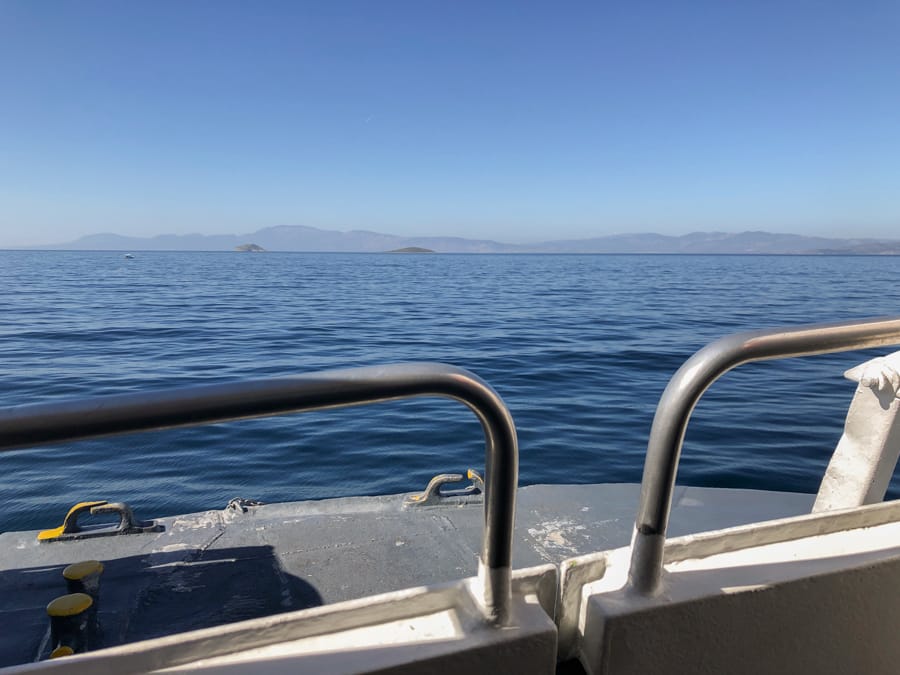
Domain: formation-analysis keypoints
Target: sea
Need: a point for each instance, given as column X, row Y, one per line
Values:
column 579, row 346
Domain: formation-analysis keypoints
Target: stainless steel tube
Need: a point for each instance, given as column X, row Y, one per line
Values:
column 685, row 389
column 31, row 425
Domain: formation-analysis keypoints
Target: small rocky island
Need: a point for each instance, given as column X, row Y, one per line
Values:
column 250, row 248
column 412, row 249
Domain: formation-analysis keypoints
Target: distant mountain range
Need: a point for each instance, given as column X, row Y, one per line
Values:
column 302, row 238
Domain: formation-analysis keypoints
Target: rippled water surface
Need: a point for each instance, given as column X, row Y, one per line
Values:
column 580, row 348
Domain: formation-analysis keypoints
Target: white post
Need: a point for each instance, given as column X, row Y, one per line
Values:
column 863, row 462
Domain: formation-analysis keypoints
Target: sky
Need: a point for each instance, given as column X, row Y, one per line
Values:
column 519, row 121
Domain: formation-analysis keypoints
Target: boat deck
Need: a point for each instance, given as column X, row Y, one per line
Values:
column 217, row 567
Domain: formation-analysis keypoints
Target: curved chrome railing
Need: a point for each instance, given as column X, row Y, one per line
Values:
column 28, row 426
column 685, row 389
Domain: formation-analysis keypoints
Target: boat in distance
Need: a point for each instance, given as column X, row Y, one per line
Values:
column 486, row 577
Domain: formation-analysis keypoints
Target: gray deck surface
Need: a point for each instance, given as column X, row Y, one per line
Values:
column 216, row 567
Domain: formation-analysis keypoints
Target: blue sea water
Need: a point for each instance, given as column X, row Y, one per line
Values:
column 579, row 346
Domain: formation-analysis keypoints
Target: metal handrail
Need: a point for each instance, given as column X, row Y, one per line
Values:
column 31, row 425
column 685, row 389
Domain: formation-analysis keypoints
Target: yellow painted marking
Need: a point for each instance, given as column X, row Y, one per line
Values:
column 80, row 570
column 70, row 605
column 56, row 532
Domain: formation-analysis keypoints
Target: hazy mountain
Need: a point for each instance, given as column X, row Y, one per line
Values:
column 302, row 238
column 283, row 238
column 163, row 242
column 713, row 242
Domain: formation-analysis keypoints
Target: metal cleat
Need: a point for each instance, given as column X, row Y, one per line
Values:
column 70, row 529
column 433, row 495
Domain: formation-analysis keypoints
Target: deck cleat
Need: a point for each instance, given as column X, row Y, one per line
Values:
column 70, row 616
column 84, row 577
column 70, row 529
column 433, row 494
column 63, row 650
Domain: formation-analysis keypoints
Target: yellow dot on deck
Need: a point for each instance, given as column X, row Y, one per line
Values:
column 62, row 650
column 80, row 570
column 70, row 605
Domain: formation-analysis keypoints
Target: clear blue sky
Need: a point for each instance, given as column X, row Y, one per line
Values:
column 512, row 121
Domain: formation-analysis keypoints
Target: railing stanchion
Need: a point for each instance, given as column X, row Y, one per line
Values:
column 28, row 426
column 685, row 389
